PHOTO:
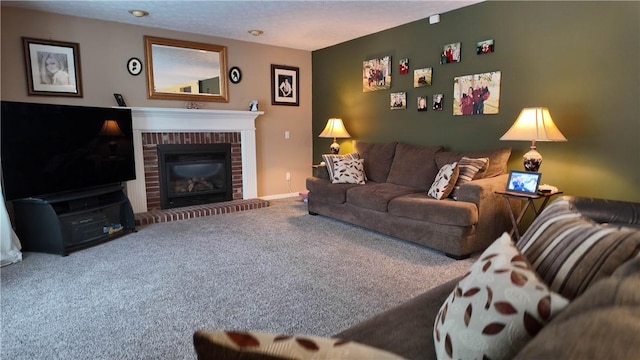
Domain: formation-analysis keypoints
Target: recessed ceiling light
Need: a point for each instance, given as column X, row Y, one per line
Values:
column 138, row 13
column 256, row 32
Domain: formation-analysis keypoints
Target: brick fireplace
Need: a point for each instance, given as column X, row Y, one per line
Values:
column 151, row 140
column 154, row 126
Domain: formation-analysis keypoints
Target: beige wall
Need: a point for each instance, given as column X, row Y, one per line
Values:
column 105, row 48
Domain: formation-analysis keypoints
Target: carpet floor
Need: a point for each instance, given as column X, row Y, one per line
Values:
column 274, row 269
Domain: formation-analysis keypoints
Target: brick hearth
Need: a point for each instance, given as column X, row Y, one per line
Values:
column 191, row 212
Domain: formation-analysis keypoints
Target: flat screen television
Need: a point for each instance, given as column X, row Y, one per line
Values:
column 51, row 149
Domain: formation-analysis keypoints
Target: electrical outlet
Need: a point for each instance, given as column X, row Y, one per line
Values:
column 286, row 134
column 288, row 176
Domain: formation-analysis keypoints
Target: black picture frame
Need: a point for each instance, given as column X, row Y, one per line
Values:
column 53, row 67
column 235, row 75
column 285, row 85
column 120, row 99
column 134, row 66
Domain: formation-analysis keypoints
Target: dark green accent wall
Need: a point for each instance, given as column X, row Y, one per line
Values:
column 579, row 59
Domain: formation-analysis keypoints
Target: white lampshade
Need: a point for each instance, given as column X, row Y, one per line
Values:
column 334, row 129
column 533, row 124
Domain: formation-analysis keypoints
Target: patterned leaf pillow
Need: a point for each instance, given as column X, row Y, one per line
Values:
column 445, row 180
column 347, row 171
column 328, row 160
column 230, row 345
column 496, row 308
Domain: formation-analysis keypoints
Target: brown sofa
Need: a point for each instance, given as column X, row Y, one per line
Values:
column 394, row 198
column 599, row 293
column 602, row 322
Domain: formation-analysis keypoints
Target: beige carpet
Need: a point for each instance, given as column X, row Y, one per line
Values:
column 273, row 269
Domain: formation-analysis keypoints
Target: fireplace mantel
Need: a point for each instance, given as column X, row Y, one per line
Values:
column 148, row 119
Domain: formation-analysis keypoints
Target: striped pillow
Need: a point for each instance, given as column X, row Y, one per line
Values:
column 328, row 160
column 570, row 252
column 468, row 169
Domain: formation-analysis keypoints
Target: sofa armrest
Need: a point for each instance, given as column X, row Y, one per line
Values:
column 493, row 214
column 321, row 172
column 607, row 211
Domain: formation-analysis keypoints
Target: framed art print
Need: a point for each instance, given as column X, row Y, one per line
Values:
column 53, row 67
column 285, row 85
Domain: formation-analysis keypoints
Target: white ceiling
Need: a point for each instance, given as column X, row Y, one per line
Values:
column 298, row 24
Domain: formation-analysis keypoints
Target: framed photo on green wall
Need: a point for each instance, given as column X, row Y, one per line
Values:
column 376, row 74
column 477, row 94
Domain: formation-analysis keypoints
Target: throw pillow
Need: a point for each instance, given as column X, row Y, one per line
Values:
column 571, row 251
column 347, row 171
column 328, row 160
column 496, row 308
column 468, row 169
column 255, row 345
column 444, row 182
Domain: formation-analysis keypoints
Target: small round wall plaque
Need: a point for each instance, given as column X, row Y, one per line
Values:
column 134, row 65
column 235, row 75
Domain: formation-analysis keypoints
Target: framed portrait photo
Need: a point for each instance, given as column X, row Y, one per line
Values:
column 285, row 85
column 398, row 100
column 422, row 77
column 376, row 74
column 450, row 53
column 477, row 94
column 53, row 67
column 484, row 47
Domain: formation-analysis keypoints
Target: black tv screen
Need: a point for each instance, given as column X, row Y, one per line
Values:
column 50, row 149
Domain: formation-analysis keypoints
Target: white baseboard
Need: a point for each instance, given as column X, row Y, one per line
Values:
column 278, row 196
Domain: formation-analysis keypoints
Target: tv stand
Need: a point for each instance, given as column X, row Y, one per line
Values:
column 63, row 223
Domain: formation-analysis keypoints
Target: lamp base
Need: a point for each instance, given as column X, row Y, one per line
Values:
column 335, row 148
column 532, row 160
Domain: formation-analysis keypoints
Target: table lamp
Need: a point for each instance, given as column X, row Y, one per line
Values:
column 111, row 130
column 334, row 129
column 533, row 124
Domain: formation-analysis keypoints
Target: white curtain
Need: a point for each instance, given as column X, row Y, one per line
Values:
column 9, row 242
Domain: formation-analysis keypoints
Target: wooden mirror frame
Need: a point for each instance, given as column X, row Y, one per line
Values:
column 150, row 41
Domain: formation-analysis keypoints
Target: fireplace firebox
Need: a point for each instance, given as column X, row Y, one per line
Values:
column 194, row 174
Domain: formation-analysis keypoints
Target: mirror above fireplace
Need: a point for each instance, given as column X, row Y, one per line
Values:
column 184, row 70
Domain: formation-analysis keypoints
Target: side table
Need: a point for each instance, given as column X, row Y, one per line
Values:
column 529, row 199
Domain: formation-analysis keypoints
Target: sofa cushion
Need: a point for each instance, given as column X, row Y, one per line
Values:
column 328, row 160
column 348, row 171
column 498, row 159
column 496, row 308
column 602, row 323
column 257, row 345
column 401, row 329
column 445, row 180
column 376, row 196
column 571, row 252
column 414, row 166
column 377, row 159
column 328, row 192
column 419, row 206
column 469, row 169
